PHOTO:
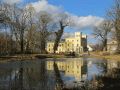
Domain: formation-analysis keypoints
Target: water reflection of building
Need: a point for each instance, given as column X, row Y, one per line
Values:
column 73, row 67
column 111, row 65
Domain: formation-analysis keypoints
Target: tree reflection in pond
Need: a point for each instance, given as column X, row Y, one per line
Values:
column 66, row 74
column 108, row 81
column 59, row 82
column 24, row 76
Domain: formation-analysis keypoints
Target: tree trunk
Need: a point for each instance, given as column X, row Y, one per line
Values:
column 105, row 45
column 43, row 44
column 118, row 39
column 57, row 40
column 22, row 41
column 43, row 36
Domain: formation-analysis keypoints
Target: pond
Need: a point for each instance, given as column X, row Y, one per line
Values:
column 60, row 74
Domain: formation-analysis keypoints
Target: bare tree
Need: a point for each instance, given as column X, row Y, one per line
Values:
column 114, row 15
column 30, row 41
column 43, row 28
column 16, row 18
column 63, row 21
column 4, row 8
column 102, row 32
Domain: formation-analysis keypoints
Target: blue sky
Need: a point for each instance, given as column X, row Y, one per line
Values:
column 84, row 7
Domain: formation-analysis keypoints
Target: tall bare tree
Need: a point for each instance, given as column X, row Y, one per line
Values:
column 4, row 11
column 30, row 30
column 114, row 15
column 102, row 32
column 16, row 18
column 43, row 24
column 63, row 21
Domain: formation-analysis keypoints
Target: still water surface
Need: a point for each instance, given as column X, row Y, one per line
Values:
column 60, row 74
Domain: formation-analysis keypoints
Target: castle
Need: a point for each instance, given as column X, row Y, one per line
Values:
column 77, row 44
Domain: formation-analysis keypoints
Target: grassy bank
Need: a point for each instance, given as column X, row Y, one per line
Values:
column 42, row 56
column 18, row 57
column 50, row 56
column 105, row 56
column 31, row 57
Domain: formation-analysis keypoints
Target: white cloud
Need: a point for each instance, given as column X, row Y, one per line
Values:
column 11, row 1
column 43, row 5
column 90, row 21
column 78, row 22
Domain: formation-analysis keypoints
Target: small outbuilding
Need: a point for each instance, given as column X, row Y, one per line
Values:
column 112, row 46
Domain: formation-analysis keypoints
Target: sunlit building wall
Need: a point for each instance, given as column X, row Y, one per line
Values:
column 77, row 44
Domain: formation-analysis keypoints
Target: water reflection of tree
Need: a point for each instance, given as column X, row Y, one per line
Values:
column 58, row 79
column 110, row 81
column 43, row 76
column 16, row 80
column 84, row 67
column 77, row 85
column 21, row 77
column 37, row 77
column 103, row 66
column 30, row 77
column 5, row 77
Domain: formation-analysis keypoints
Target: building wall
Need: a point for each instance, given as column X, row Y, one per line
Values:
column 72, row 44
column 50, row 46
column 112, row 46
column 84, row 42
column 69, row 44
column 89, row 48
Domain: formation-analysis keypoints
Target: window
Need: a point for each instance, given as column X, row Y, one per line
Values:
column 72, row 45
column 49, row 45
column 68, row 49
